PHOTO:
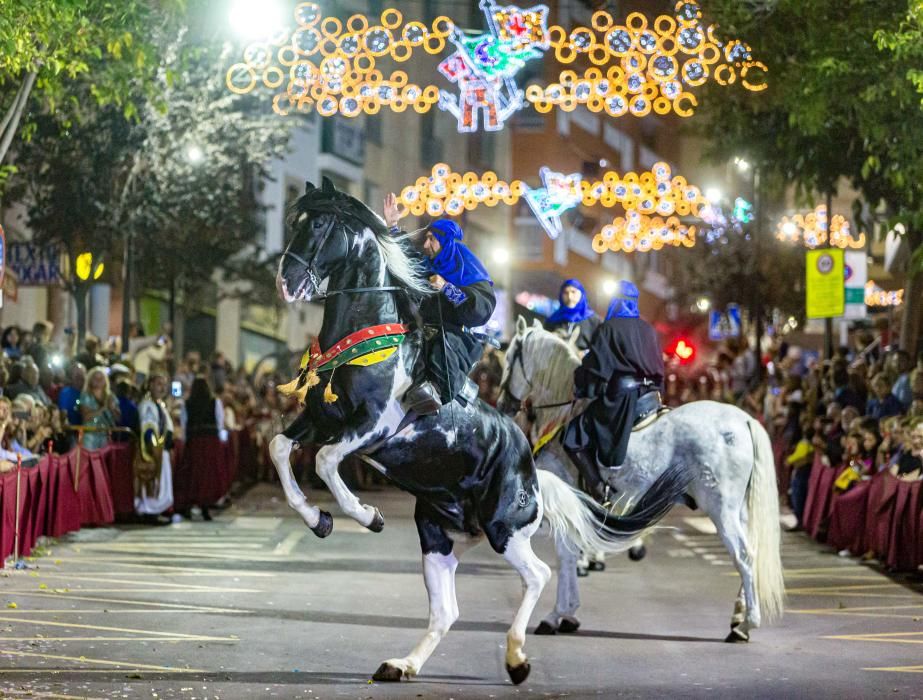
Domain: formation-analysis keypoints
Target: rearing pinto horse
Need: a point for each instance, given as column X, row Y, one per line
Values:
column 469, row 467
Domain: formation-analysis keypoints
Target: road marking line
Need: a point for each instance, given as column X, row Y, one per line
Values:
column 103, row 662
column 159, row 569
column 114, row 611
column 178, row 606
column 115, row 639
column 163, row 584
column 882, row 637
column 898, row 669
column 145, row 590
column 839, row 590
column 102, row 628
column 859, row 608
column 286, row 546
column 40, row 694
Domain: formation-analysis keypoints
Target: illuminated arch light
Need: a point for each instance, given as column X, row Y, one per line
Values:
column 876, row 296
column 638, row 67
column 653, row 202
column 811, row 230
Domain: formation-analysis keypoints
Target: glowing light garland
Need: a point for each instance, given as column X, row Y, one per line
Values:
column 653, row 202
column 811, row 230
column 876, row 296
column 637, row 68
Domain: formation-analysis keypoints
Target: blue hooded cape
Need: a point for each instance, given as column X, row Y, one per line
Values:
column 577, row 314
column 625, row 302
column 455, row 263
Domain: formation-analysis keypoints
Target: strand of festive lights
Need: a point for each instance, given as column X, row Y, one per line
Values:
column 336, row 67
column 811, row 230
column 653, row 201
column 876, row 296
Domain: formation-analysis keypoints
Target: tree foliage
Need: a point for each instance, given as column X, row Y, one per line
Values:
column 843, row 102
column 48, row 45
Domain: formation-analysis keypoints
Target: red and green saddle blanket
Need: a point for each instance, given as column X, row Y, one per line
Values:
column 363, row 348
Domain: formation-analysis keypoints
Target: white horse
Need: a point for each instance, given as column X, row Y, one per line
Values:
column 728, row 452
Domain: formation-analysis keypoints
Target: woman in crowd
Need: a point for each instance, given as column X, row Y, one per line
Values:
column 204, row 470
column 98, row 408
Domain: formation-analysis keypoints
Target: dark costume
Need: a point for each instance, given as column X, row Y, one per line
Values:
column 624, row 362
column 563, row 321
column 467, row 301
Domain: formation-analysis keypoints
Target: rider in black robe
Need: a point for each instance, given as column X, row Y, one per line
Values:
column 624, row 362
column 574, row 312
column 465, row 300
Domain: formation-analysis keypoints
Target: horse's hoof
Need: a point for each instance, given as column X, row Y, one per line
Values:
column 545, row 629
column 597, row 566
column 387, row 673
column 737, row 636
column 568, row 626
column 582, row 571
column 378, row 522
column 518, row 674
column 637, row 553
column 324, row 525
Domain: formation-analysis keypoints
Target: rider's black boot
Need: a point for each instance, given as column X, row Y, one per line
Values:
column 585, row 461
column 422, row 398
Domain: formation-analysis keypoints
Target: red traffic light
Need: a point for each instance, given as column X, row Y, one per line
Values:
column 683, row 350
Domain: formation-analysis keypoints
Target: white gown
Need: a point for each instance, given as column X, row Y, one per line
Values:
column 156, row 503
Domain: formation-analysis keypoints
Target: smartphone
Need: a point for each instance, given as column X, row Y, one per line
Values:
column 177, row 389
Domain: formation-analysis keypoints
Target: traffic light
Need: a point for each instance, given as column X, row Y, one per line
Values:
column 682, row 350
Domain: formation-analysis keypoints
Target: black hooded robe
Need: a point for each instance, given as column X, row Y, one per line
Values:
column 587, row 328
column 461, row 307
column 621, row 347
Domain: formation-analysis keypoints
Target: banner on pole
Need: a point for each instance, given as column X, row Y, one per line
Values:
column 825, row 283
column 856, row 277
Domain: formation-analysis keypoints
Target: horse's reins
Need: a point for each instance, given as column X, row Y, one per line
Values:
column 530, row 408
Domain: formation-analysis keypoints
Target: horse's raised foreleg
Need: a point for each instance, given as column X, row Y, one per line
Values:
column 439, row 576
column 535, row 576
column 320, row 522
column 328, row 462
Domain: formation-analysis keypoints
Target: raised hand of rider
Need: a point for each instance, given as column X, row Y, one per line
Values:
column 392, row 212
column 437, row 282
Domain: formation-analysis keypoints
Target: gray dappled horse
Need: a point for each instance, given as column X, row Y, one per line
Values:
column 469, row 467
column 727, row 451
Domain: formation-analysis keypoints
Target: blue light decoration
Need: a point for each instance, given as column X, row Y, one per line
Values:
column 743, row 210
column 559, row 193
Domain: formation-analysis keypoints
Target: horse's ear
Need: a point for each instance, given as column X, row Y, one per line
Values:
column 309, row 187
column 521, row 325
column 327, row 186
column 536, row 324
column 574, row 334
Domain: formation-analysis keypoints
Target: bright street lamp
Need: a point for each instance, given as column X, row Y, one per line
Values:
column 609, row 287
column 84, row 268
column 195, row 154
column 714, row 195
column 703, row 304
column 255, row 19
column 742, row 164
column 501, row 256
column 789, row 229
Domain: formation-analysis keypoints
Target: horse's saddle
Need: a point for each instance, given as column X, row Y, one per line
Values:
column 648, row 409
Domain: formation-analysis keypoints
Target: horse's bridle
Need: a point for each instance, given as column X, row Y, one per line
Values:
column 312, row 273
column 530, row 409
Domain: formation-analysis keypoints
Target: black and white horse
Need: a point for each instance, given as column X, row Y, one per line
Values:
column 469, row 467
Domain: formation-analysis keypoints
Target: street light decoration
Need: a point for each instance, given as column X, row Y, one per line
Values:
column 653, row 201
column 811, row 230
column 85, row 269
column 637, row 67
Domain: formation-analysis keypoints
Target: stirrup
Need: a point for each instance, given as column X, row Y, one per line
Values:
column 422, row 399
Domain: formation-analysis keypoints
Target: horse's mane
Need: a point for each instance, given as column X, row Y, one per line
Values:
column 554, row 368
column 403, row 263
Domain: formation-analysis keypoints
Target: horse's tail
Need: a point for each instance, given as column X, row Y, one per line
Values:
column 591, row 527
column 763, row 525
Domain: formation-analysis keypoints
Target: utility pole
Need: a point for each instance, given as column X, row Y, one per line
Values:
column 828, row 322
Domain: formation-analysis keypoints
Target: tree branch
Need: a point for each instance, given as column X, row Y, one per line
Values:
column 14, row 114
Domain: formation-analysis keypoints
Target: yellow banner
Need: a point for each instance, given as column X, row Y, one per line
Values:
column 825, row 283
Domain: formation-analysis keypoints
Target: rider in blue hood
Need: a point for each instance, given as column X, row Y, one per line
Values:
column 624, row 362
column 574, row 312
column 465, row 300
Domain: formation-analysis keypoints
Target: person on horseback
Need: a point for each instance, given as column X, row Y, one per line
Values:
column 574, row 312
column 465, row 300
column 623, row 363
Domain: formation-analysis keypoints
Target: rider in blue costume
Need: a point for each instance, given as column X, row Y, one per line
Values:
column 624, row 362
column 465, row 300
column 574, row 312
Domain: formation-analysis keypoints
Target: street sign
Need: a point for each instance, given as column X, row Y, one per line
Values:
column 825, row 289
column 724, row 325
column 35, row 265
column 856, row 277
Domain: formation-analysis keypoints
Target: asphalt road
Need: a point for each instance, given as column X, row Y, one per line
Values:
column 252, row 605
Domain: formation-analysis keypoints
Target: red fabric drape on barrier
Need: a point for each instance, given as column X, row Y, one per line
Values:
column 120, row 471
column 820, row 495
column 903, row 545
column 63, row 503
column 847, row 519
column 882, row 495
column 93, row 490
